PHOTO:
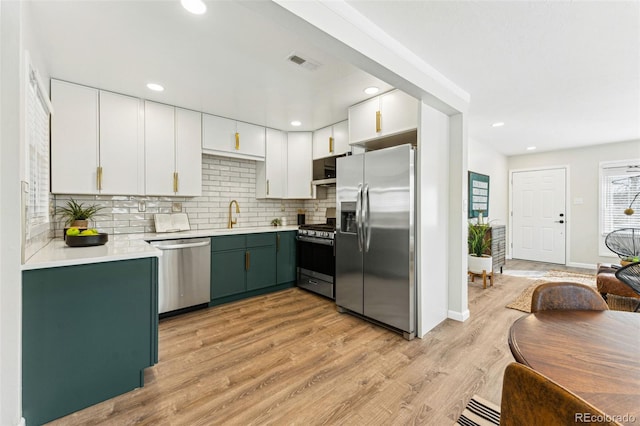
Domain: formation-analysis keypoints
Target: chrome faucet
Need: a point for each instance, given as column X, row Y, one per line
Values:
column 232, row 221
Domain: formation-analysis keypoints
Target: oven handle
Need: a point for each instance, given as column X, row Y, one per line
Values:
column 323, row 241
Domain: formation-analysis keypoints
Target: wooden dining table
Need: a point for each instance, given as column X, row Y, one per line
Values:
column 594, row 354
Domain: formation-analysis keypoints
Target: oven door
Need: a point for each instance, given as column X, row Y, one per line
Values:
column 316, row 265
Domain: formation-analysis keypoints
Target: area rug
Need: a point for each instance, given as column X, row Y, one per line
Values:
column 479, row 412
column 523, row 301
column 616, row 303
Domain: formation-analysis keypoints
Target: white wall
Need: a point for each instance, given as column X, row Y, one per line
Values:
column 433, row 218
column 582, row 185
column 10, row 239
column 487, row 161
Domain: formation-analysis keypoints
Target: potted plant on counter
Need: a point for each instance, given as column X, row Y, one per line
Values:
column 479, row 259
column 77, row 214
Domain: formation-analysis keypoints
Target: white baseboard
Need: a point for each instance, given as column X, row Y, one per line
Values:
column 582, row 265
column 458, row 316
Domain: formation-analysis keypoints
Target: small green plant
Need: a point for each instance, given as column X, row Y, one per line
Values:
column 477, row 239
column 73, row 211
column 276, row 222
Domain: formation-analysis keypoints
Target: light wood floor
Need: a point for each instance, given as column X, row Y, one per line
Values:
column 290, row 358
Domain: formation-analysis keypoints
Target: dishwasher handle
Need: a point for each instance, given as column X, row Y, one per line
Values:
column 182, row 246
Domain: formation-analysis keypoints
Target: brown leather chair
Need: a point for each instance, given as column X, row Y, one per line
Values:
column 529, row 398
column 566, row 295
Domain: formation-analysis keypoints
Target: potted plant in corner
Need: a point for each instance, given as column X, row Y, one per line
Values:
column 479, row 243
column 77, row 215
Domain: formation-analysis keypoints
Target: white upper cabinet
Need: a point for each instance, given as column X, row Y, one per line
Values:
column 188, row 153
column 173, row 157
column 271, row 174
column 121, row 145
column 385, row 115
column 74, row 139
column 300, row 165
column 230, row 138
column 97, row 144
column 341, row 138
column 331, row 140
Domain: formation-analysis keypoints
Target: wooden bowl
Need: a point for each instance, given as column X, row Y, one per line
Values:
column 87, row 240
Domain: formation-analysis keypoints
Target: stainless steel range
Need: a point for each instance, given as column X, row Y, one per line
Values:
column 317, row 258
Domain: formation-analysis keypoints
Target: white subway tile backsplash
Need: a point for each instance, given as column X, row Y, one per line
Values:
column 223, row 180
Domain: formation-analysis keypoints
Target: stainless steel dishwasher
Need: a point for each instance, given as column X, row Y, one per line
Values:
column 184, row 273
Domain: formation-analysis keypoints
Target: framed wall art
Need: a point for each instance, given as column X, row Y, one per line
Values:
column 478, row 195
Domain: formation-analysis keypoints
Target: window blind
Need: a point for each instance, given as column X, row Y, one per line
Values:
column 619, row 183
column 37, row 162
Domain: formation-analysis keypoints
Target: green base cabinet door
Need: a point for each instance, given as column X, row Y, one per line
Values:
column 286, row 257
column 227, row 273
column 261, row 267
column 88, row 332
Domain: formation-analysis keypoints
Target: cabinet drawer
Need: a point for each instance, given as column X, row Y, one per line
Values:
column 227, row 242
column 257, row 240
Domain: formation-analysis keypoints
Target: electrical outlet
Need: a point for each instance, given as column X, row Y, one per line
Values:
column 281, row 207
column 176, row 207
column 142, row 206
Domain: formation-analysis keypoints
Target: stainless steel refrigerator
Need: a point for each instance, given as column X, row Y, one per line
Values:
column 375, row 221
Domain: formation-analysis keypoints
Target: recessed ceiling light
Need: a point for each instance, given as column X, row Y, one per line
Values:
column 197, row 7
column 296, row 123
column 371, row 90
column 155, row 87
column 531, row 148
column 498, row 124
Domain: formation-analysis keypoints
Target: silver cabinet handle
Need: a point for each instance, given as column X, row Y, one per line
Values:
column 183, row 246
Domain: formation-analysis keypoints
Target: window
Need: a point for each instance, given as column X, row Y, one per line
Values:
column 37, row 156
column 619, row 184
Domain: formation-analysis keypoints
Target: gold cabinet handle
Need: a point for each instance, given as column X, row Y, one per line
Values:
column 99, row 178
column 331, row 144
column 378, row 121
column 311, row 189
column 267, row 186
column 277, row 242
column 237, row 141
column 247, row 260
column 175, row 182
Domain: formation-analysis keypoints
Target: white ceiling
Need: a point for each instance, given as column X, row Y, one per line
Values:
column 559, row 74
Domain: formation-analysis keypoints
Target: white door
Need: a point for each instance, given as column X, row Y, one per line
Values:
column 188, row 153
column 74, row 139
column 159, row 133
column 539, row 216
column 275, row 163
column 399, row 112
column 362, row 121
column 299, row 165
column 121, row 144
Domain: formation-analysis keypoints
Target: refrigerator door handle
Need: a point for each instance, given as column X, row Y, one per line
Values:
column 359, row 217
column 367, row 217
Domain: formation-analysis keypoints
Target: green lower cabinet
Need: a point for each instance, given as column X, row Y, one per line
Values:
column 261, row 270
column 247, row 265
column 286, row 257
column 88, row 332
column 227, row 273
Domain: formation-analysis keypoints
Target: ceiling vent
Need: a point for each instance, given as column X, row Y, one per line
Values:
column 306, row 63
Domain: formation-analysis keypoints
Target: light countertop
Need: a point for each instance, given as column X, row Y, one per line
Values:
column 125, row 246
